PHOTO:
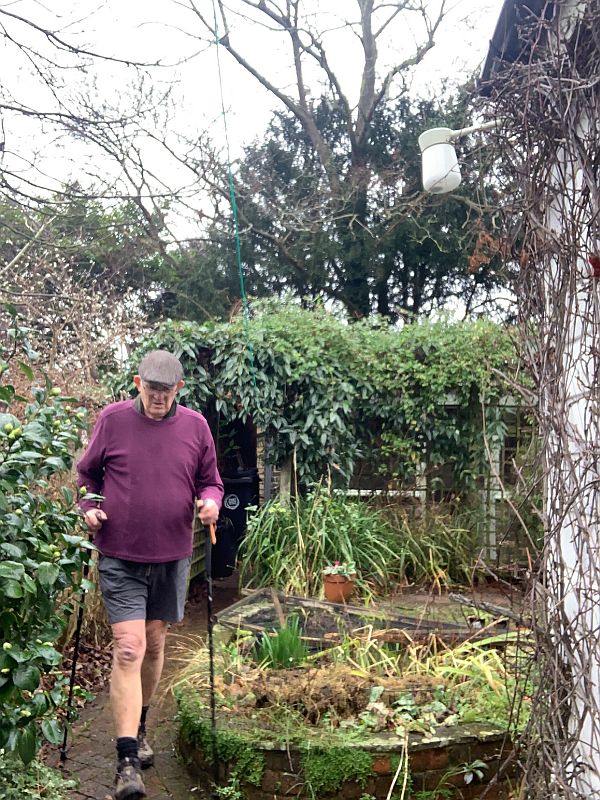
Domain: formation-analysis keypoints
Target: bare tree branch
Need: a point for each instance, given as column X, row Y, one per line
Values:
column 6, row 270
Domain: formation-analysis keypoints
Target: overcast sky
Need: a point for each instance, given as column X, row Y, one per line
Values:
column 167, row 31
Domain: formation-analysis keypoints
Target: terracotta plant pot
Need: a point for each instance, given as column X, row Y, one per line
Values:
column 338, row 588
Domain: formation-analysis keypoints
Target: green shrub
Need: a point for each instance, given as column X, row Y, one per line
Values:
column 330, row 393
column 41, row 552
column 288, row 547
column 33, row 782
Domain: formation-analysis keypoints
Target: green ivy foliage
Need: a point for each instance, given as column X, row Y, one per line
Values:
column 334, row 391
column 34, row 782
column 41, row 550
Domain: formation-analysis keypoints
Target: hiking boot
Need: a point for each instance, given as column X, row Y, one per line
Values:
column 128, row 781
column 145, row 752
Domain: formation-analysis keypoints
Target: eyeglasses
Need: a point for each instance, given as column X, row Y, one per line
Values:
column 158, row 388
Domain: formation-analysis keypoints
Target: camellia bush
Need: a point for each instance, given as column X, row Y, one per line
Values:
column 333, row 392
column 42, row 549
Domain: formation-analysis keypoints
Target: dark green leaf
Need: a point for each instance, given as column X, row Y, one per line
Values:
column 11, row 570
column 27, row 743
column 26, row 456
column 68, row 495
column 7, row 394
column 27, row 676
column 47, row 574
column 48, row 653
column 12, row 550
column 12, row 589
column 26, row 370
column 40, row 704
column 56, row 461
column 52, row 730
column 29, row 584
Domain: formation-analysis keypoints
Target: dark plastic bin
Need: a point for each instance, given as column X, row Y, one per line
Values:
column 241, row 491
column 224, row 552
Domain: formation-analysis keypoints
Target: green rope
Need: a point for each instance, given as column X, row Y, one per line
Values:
column 238, row 249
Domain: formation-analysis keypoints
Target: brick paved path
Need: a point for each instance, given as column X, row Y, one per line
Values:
column 91, row 757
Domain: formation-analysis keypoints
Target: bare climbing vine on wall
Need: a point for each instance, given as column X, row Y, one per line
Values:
column 548, row 139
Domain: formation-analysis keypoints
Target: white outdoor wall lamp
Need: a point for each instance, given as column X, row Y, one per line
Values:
column 441, row 173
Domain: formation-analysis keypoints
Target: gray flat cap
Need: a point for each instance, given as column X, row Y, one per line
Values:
column 159, row 366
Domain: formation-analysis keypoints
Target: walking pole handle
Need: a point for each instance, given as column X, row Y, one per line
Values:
column 213, row 533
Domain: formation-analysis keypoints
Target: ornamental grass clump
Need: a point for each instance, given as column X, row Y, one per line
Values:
column 283, row 648
column 435, row 548
column 489, row 680
column 288, row 547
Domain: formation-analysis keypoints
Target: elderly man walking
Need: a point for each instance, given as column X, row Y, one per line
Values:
column 154, row 463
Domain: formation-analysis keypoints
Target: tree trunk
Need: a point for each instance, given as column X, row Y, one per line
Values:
column 356, row 257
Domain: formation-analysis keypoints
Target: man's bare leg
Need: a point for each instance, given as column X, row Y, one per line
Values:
column 129, row 647
column 154, row 658
column 152, row 665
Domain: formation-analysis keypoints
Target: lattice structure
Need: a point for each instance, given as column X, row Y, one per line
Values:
column 549, row 145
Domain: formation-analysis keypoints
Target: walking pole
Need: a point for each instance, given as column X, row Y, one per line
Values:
column 85, row 573
column 211, row 540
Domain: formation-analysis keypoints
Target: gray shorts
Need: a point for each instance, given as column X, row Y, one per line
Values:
column 131, row 590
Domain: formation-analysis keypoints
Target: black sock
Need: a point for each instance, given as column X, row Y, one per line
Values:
column 127, row 747
column 143, row 719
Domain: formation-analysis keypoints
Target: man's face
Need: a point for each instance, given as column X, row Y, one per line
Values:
column 156, row 397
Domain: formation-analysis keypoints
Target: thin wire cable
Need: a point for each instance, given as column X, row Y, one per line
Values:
column 236, row 227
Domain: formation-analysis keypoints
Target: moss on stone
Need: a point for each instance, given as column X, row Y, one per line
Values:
column 326, row 769
column 243, row 760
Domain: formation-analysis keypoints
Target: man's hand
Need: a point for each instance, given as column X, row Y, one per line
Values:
column 208, row 511
column 94, row 518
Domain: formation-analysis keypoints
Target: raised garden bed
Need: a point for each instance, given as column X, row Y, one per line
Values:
column 462, row 762
column 378, row 706
column 323, row 623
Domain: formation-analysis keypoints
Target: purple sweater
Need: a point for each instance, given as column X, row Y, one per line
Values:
column 149, row 472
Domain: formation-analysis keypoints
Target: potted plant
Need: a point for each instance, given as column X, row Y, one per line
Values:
column 338, row 581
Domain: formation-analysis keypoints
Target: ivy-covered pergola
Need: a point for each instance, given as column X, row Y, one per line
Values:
column 331, row 393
